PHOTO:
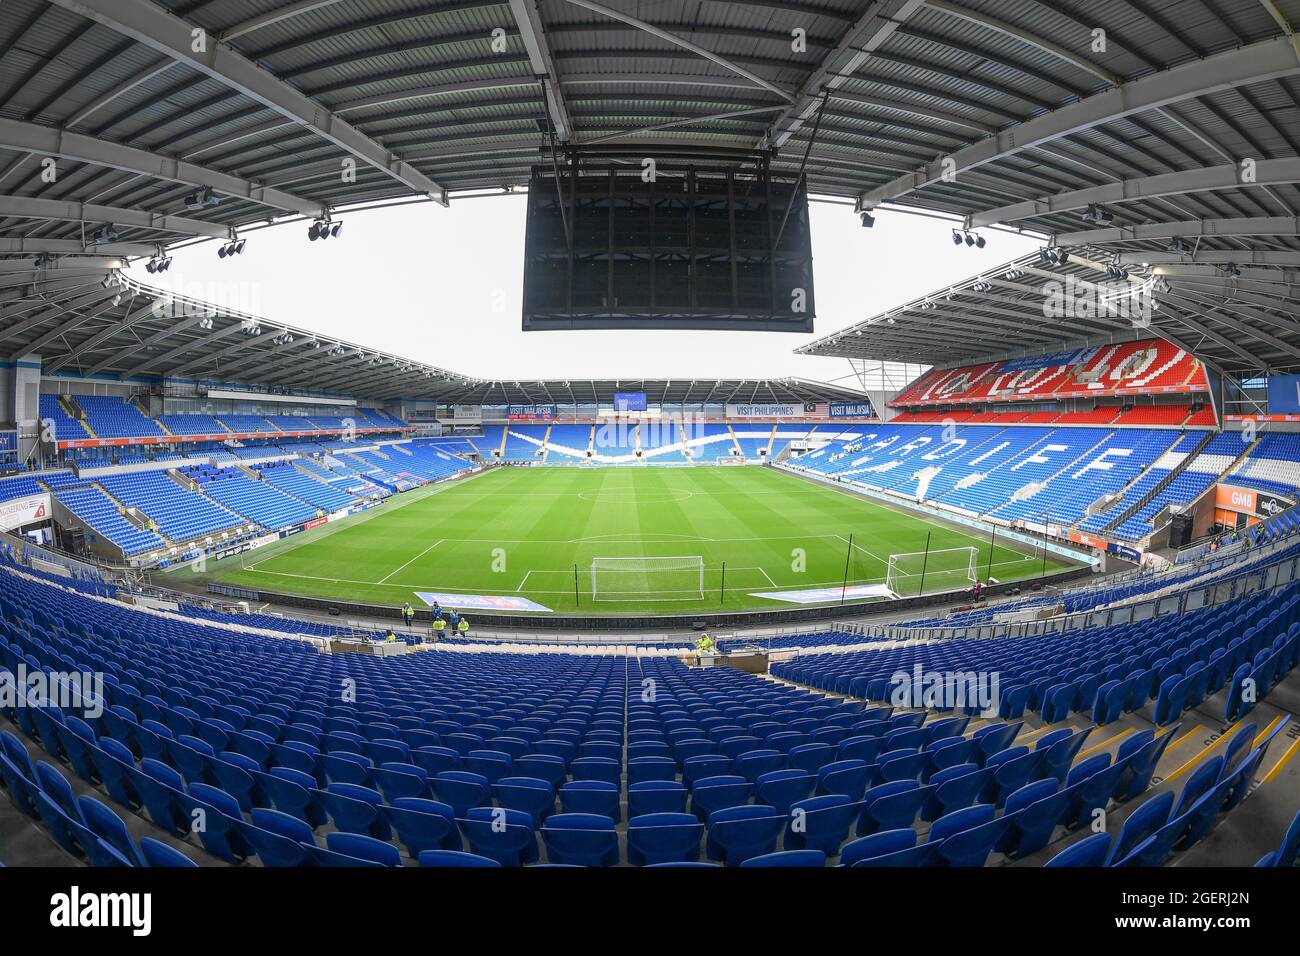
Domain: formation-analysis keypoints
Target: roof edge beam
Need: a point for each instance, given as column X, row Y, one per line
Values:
column 52, row 141
column 1255, row 62
column 151, row 25
column 533, row 33
column 1268, row 172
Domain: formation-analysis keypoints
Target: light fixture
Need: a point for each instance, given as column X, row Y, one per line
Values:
column 105, row 234
column 868, row 220
column 324, row 228
column 1097, row 215
column 203, row 198
column 1177, row 247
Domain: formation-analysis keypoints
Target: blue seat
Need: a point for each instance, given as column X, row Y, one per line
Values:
column 159, row 854
column 850, row 777
column 455, row 858
column 717, row 793
column 1034, row 812
column 811, row 757
column 343, row 766
column 77, row 739
column 1140, row 759
column 663, row 838
column 234, row 773
column 737, row 833
column 788, row 858
column 703, row 766
column 883, row 843
column 461, row 790
column 294, row 792
column 492, row 765
column 1012, row 769
column 640, row 769
column 160, row 786
column 435, row 759
column 220, row 833
column 278, row 839
column 51, row 781
column 590, row 796
column 1057, row 756
column 1285, row 855
column 1090, row 784
column 364, row 848
column 891, row 806
column 582, row 839
column 506, row 836
column 1142, row 823
column 752, row 764
column 954, row 788
column 355, row 809
column 99, row 852
column 781, row 788
column 397, row 779
column 529, row 794
column 423, row 824
column 61, row 826
column 114, row 763
column 596, row 768
column 820, row 823
column 655, row 796
column 108, row 826
column 966, row 837
column 1092, row 850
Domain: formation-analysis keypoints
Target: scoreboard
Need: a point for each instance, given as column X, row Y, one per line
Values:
column 672, row 245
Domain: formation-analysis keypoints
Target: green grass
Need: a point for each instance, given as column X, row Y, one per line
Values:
column 521, row 531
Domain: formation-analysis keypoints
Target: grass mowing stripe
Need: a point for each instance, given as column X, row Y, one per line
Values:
column 522, row 531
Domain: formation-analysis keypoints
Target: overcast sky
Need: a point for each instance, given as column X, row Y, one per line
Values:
column 443, row 285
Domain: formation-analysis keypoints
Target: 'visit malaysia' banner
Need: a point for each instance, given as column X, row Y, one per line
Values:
column 852, row 410
column 532, row 413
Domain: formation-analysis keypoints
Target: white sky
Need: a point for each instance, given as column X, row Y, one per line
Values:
column 443, row 285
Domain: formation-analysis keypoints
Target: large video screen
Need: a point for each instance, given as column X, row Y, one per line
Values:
column 691, row 248
column 629, row 402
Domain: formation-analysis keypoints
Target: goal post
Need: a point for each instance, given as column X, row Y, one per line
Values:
column 679, row 578
column 947, row 569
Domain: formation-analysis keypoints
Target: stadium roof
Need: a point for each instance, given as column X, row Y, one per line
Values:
column 1244, row 323
column 997, row 110
column 1163, row 119
column 84, row 317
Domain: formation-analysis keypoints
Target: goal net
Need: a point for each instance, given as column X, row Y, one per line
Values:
column 647, row 579
column 731, row 460
column 918, row 572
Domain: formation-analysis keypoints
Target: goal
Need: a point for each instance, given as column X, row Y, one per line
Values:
column 731, row 460
column 917, row 572
column 648, row 579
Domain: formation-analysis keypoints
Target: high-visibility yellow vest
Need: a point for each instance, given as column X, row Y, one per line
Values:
column 440, row 625
column 463, row 626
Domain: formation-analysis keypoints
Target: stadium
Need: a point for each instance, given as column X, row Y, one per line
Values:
column 1000, row 573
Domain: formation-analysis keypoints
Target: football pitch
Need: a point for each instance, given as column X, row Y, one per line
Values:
column 692, row 539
